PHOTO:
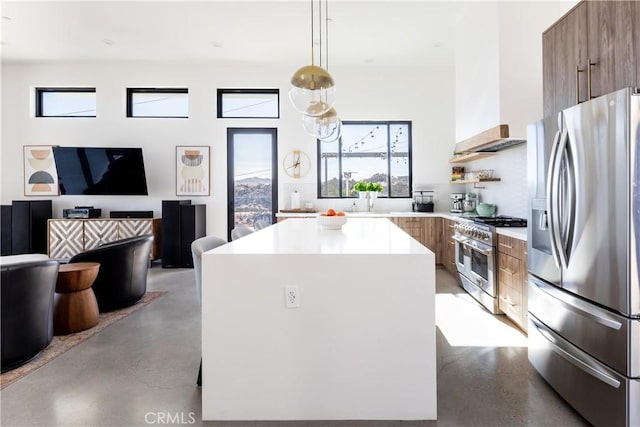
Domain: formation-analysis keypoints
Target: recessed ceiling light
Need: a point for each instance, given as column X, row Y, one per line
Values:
column 368, row 60
column 108, row 42
column 216, row 44
column 438, row 44
column 6, row 18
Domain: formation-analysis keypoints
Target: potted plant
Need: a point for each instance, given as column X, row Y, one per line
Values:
column 373, row 189
column 361, row 187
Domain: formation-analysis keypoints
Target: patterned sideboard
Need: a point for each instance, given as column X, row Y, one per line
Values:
column 68, row 237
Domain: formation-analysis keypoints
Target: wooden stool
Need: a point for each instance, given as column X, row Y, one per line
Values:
column 75, row 307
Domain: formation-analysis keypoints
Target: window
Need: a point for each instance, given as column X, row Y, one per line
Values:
column 154, row 102
column 66, row 102
column 249, row 103
column 252, row 181
column 377, row 152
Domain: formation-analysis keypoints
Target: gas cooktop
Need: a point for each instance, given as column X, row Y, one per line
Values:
column 501, row 221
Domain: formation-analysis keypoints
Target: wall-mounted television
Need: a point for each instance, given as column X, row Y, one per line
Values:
column 100, row 171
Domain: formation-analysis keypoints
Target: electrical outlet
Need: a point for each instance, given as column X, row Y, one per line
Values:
column 291, row 296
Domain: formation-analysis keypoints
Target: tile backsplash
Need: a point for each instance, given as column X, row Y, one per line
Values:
column 511, row 194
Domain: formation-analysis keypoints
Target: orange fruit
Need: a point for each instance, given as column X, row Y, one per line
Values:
column 340, row 213
column 331, row 212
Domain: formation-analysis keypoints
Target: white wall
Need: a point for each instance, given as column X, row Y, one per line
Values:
column 499, row 81
column 499, row 75
column 363, row 94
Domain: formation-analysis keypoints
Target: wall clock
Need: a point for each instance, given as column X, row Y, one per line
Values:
column 296, row 164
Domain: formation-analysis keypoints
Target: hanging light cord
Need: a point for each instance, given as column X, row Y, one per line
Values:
column 320, row 29
column 326, row 32
column 312, row 49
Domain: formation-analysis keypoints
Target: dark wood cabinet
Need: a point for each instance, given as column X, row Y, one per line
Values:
column 612, row 46
column 591, row 51
column 564, row 53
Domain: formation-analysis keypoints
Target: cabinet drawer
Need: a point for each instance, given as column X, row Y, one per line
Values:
column 510, row 271
column 512, row 246
column 511, row 310
column 510, row 301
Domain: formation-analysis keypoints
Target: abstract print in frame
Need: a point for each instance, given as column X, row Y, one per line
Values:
column 192, row 171
column 40, row 174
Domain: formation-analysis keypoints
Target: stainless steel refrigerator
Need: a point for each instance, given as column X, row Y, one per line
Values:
column 584, row 256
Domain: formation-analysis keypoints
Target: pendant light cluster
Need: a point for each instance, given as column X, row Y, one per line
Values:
column 313, row 90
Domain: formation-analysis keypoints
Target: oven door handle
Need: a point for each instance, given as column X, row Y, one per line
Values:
column 486, row 252
column 459, row 239
column 465, row 242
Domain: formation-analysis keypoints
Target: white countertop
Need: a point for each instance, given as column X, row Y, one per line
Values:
column 515, row 232
column 392, row 214
column 370, row 235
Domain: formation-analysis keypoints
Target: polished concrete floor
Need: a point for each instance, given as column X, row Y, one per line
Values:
column 141, row 371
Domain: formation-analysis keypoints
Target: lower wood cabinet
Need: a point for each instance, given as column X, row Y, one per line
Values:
column 448, row 246
column 426, row 230
column 512, row 279
column 68, row 237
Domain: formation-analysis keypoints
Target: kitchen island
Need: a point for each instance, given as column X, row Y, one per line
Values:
column 360, row 345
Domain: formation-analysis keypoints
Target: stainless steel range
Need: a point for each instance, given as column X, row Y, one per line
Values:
column 475, row 253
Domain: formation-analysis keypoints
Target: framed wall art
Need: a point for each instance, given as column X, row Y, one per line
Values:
column 192, row 171
column 40, row 174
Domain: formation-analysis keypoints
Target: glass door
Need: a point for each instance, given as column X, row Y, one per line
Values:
column 252, row 181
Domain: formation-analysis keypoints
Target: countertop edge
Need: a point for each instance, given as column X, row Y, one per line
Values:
column 515, row 232
column 446, row 215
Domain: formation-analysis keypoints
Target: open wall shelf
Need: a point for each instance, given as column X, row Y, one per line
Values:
column 468, row 157
column 475, row 182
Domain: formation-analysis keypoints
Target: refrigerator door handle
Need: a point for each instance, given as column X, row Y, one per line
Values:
column 561, row 198
column 553, row 175
column 570, row 199
column 574, row 360
column 569, row 305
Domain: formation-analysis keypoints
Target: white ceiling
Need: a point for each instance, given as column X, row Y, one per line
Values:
column 379, row 33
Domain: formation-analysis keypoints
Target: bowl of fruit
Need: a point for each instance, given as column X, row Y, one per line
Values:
column 332, row 219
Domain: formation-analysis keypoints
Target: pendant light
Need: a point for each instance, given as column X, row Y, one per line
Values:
column 326, row 126
column 323, row 127
column 329, row 124
column 312, row 90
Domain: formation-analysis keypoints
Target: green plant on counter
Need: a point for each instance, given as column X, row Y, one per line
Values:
column 372, row 186
column 361, row 186
column 367, row 186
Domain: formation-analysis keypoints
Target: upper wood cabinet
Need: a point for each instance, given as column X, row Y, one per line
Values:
column 591, row 51
column 612, row 45
column 564, row 53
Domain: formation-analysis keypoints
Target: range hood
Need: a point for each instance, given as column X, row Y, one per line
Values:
column 491, row 140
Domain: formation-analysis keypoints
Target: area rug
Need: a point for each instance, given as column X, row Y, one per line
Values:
column 62, row 343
